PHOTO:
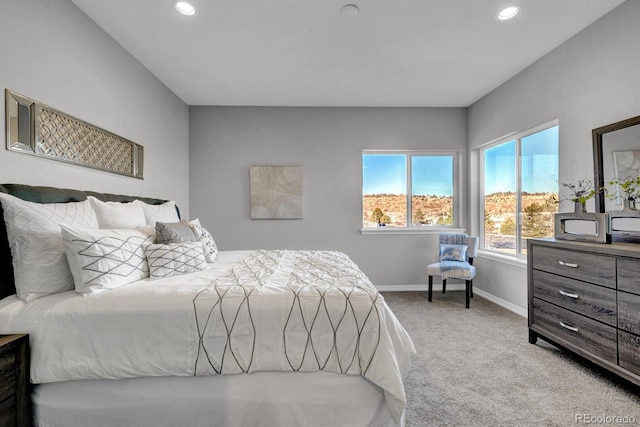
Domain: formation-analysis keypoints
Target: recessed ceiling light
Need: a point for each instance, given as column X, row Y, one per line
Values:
column 508, row 12
column 350, row 10
column 185, row 8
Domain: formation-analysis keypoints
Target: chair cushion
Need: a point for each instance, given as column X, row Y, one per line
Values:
column 434, row 270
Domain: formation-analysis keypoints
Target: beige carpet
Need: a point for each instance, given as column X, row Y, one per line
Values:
column 476, row 368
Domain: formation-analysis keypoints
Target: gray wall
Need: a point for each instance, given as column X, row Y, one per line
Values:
column 589, row 81
column 53, row 53
column 328, row 143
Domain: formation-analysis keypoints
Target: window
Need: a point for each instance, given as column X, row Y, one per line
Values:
column 408, row 189
column 520, row 189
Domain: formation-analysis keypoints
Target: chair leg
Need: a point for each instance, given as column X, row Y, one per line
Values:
column 430, row 288
column 467, row 292
column 444, row 285
column 471, row 287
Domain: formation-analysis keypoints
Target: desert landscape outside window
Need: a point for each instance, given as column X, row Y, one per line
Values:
column 409, row 189
column 520, row 189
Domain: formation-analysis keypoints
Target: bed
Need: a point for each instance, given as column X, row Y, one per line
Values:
column 255, row 338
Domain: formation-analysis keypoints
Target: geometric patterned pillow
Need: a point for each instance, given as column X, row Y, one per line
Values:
column 101, row 260
column 210, row 247
column 174, row 258
column 39, row 262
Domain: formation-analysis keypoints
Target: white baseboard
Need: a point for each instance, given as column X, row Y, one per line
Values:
column 455, row 287
column 419, row 287
column 502, row 303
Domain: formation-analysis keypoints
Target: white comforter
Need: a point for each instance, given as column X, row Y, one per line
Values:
column 250, row 311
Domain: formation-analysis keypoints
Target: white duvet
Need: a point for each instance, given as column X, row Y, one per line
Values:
column 250, row 311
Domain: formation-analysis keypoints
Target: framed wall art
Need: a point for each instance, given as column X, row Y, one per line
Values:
column 276, row 192
column 39, row 130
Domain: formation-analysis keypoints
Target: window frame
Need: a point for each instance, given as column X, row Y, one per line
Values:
column 410, row 228
column 517, row 137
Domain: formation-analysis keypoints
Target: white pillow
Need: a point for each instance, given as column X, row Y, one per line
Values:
column 118, row 215
column 165, row 212
column 209, row 245
column 39, row 262
column 175, row 258
column 106, row 259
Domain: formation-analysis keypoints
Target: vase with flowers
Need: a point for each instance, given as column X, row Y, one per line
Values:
column 624, row 224
column 630, row 187
column 581, row 225
column 579, row 193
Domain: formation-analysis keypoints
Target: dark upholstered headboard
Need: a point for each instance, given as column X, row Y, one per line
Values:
column 45, row 195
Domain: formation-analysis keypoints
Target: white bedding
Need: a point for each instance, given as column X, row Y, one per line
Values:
column 250, row 311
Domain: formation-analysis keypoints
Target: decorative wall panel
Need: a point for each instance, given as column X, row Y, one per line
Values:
column 37, row 129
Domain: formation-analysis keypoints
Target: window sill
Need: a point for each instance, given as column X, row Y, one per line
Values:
column 503, row 258
column 421, row 230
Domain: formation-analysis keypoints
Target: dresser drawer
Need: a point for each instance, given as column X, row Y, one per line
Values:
column 598, row 269
column 596, row 302
column 629, row 351
column 15, row 401
column 8, row 412
column 629, row 312
column 629, row 275
column 591, row 336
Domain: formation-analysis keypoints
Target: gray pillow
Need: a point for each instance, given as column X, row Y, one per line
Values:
column 174, row 232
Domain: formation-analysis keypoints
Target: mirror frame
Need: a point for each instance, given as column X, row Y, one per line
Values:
column 598, row 165
column 36, row 129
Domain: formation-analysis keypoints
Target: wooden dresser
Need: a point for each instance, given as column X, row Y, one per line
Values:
column 585, row 297
column 15, row 400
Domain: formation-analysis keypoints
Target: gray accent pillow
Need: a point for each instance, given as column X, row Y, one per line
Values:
column 174, row 232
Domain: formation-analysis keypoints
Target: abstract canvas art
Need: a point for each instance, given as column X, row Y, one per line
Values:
column 276, row 192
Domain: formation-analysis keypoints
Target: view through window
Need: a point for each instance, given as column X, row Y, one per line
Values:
column 390, row 177
column 520, row 189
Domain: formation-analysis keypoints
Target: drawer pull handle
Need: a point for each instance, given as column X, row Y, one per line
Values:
column 568, row 295
column 569, row 327
column 568, row 264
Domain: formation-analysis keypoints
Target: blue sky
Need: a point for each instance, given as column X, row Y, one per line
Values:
column 386, row 173
column 539, row 164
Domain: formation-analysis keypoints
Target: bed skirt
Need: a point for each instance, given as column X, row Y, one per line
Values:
column 244, row 400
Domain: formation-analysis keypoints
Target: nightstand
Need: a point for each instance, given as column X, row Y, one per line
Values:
column 15, row 400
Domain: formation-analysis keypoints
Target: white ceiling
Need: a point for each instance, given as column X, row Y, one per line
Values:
column 394, row 53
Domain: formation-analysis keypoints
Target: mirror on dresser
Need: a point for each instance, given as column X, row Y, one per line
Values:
column 616, row 155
